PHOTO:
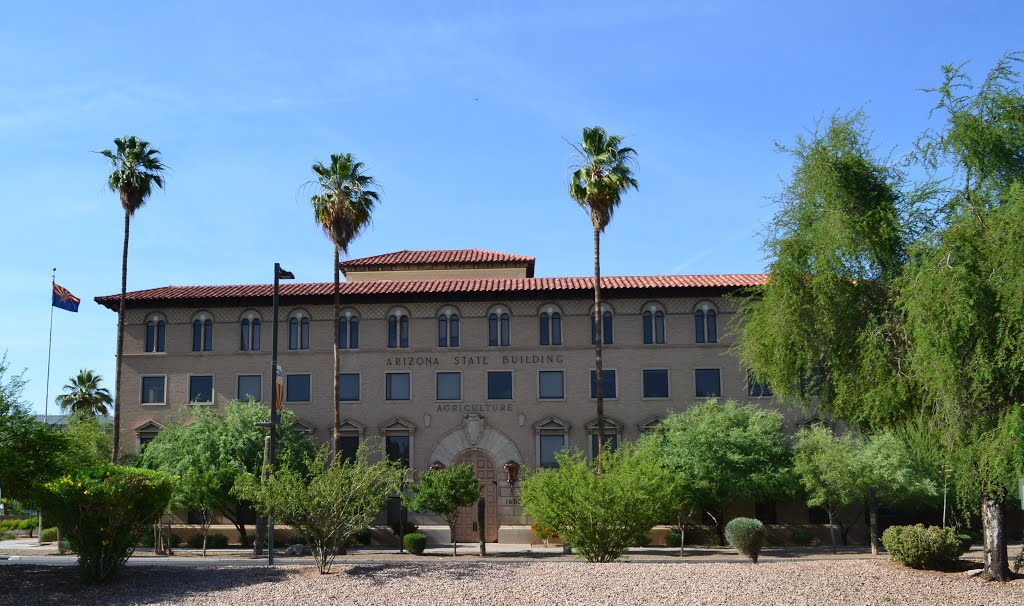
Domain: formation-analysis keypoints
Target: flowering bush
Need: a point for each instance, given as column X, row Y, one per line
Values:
column 103, row 512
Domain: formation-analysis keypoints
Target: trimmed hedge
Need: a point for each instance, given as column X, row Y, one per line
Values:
column 213, row 541
column 931, row 548
column 673, row 539
column 746, row 535
column 49, row 535
column 415, row 543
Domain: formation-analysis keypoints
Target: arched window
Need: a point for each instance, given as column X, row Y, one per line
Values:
column 298, row 331
column 250, row 333
column 448, row 329
column 498, row 331
column 348, row 330
column 607, row 333
column 202, row 333
column 654, row 325
column 156, row 330
column 398, row 329
column 706, row 324
column 550, row 327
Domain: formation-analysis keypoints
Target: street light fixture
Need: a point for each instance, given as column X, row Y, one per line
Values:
column 278, row 400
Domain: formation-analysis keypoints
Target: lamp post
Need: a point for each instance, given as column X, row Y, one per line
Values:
column 278, row 403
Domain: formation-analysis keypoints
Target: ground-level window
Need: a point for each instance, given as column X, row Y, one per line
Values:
column 551, row 385
column 348, row 387
column 250, row 387
column 499, row 385
column 655, row 383
column 607, row 385
column 397, row 447
column 709, row 382
column 297, row 388
column 153, row 390
column 757, row 390
column 397, row 386
column 611, row 442
column 348, row 445
column 449, row 386
column 550, row 443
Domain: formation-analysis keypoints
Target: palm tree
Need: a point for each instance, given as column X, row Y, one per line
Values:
column 600, row 177
column 136, row 170
column 343, row 208
column 84, row 396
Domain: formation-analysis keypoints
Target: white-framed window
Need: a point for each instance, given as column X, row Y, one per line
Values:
column 348, row 330
column 200, row 389
column 156, row 333
column 607, row 327
column 348, row 386
column 656, row 383
column 398, row 329
column 552, row 437
column 250, row 387
column 449, row 386
column 550, row 326
column 705, row 324
column 448, row 327
column 146, row 433
column 298, row 387
column 298, row 330
column 202, row 332
column 398, row 443
column 608, row 384
column 350, row 436
column 551, row 385
column 708, row 382
column 397, row 386
column 154, row 389
column 249, row 333
column 499, row 327
column 757, row 390
column 654, row 324
column 612, row 436
column 499, row 384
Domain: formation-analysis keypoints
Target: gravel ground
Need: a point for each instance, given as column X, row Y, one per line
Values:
column 849, row 582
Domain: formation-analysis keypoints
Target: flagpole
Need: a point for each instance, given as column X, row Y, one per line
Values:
column 46, row 401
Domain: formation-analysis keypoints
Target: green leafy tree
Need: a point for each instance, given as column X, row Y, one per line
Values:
column 599, row 514
column 836, row 472
column 209, row 450
column 136, row 169
column 723, row 453
column 89, row 443
column 328, row 499
column 343, row 207
column 30, row 451
column 600, row 177
column 444, row 492
column 961, row 296
column 84, row 396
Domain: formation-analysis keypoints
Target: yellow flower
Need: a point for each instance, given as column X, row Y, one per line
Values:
column 106, row 542
column 85, row 491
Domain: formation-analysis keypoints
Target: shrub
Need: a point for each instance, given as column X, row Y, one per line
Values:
column 103, row 513
column 543, row 532
column 641, row 540
column 409, row 528
column 49, row 535
column 296, row 539
column 213, row 541
column 7, row 536
column 746, row 535
column 931, row 548
column 673, row 539
column 364, row 536
column 30, row 525
column 415, row 543
column 802, row 538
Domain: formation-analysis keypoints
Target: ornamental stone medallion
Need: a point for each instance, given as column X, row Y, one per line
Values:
column 473, row 426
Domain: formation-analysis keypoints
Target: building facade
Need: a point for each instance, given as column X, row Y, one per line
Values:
column 446, row 357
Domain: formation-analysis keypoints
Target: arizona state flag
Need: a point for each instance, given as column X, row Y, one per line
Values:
column 63, row 299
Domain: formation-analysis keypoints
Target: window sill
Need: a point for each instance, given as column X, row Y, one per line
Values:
column 655, row 398
column 153, row 403
column 562, row 399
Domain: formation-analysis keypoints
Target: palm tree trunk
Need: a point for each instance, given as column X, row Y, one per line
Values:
column 118, row 400
column 337, row 314
column 598, row 349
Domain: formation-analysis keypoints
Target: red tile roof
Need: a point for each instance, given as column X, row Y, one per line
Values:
column 519, row 287
column 439, row 257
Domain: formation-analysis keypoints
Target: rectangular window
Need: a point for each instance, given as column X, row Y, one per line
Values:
column 397, row 448
column 348, row 387
column 297, row 388
column 396, row 386
column 757, row 390
column 499, row 385
column 250, row 387
column 655, row 383
column 549, row 445
column 551, row 385
column 153, row 390
column 608, row 385
column 348, row 445
column 611, row 442
column 709, row 382
column 449, row 386
column 200, row 388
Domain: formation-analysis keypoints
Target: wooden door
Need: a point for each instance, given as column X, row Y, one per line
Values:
column 466, row 526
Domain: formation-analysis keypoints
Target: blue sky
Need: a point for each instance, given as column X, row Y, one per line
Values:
column 460, row 110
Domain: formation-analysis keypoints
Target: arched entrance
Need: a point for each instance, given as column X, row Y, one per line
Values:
column 466, row 526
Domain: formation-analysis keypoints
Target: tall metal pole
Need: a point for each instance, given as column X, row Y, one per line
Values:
column 46, row 400
column 274, row 416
